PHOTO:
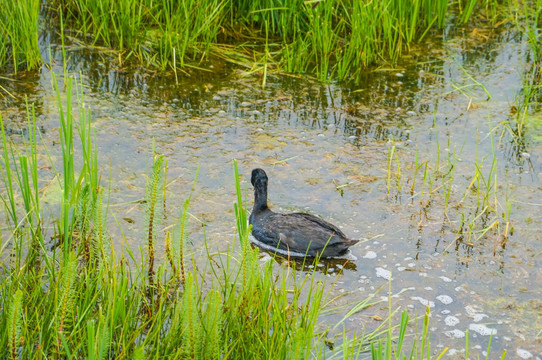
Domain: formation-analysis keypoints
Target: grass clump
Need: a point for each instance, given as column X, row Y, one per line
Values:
column 19, row 32
column 332, row 39
column 73, row 297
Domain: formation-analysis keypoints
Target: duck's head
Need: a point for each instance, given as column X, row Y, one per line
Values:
column 259, row 177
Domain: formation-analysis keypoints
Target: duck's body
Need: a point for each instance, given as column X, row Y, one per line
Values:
column 296, row 233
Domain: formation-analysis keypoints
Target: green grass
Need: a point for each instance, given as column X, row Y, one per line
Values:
column 19, row 32
column 330, row 40
column 81, row 300
column 65, row 293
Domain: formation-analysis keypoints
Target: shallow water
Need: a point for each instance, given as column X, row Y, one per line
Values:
column 327, row 150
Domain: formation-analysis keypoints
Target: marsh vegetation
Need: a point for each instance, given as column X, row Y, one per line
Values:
column 415, row 126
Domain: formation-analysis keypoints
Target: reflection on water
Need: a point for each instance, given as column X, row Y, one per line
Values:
column 356, row 155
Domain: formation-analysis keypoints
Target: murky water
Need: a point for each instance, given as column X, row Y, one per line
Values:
column 356, row 155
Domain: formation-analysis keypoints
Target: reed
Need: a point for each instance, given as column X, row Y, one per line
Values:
column 331, row 40
column 19, row 31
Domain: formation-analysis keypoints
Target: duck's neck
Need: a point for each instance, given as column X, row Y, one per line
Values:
column 260, row 196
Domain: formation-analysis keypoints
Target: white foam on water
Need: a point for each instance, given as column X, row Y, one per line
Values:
column 524, row 354
column 451, row 352
column 445, row 299
column 473, row 313
column 482, row 329
column 445, row 279
column 451, row 320
column 455, row 334
column 370, row 255
column 383, row 273
column 423, row 301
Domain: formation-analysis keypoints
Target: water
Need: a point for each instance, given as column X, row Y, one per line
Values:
column 347, row 153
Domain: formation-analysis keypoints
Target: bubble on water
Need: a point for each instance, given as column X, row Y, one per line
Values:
column 428, row 288
column 451, row 352
column 451, row 320
column 482, row 329
column 383, row 273
column 445, row 299
column 423, row 301
column 524, row 354
column 455, row 334
column 445, row 312
column 445, row 279
column 473, row 313
column 401, row 268
column 370, row 255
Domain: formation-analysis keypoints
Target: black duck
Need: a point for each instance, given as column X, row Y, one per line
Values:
column 296, row 234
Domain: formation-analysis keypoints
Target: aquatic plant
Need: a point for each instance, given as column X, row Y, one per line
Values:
column 85, row 301
column 19, row 35
column 333, row 39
